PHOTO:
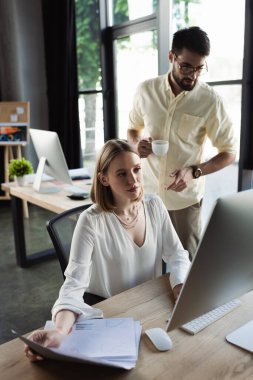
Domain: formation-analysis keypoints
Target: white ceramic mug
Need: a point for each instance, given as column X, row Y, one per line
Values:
column 160, row 147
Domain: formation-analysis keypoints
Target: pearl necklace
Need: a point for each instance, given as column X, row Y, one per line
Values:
column 128, row 224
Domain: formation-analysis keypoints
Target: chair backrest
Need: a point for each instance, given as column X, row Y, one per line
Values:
column 60, row 229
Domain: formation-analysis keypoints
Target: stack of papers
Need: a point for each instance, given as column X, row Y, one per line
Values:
column 110, row 341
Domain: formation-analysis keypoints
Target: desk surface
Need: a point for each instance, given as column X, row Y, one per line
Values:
column 200, row 357
column 13, row 143
column 55, row 202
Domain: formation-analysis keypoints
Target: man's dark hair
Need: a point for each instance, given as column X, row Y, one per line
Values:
column 193, row 39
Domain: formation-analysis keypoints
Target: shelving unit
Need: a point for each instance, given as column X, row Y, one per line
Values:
column 14, row 134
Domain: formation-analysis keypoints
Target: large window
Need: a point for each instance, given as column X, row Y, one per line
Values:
column 136, row 36
column 135, row 46
column 135, row 60
column 131, row 35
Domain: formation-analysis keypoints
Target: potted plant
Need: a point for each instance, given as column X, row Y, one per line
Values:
column 18, row 168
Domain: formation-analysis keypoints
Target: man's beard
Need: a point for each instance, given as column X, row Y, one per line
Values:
column 185, row 83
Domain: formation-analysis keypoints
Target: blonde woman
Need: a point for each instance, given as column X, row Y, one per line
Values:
column 119, row 242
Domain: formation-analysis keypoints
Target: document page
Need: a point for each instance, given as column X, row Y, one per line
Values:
column 109, row 341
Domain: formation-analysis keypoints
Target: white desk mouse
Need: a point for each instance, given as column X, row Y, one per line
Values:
column 159, row 338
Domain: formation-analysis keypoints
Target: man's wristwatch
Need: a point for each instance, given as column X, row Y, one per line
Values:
column 196, row 171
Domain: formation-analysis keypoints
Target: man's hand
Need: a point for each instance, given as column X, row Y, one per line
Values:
column 134, row 136
column 182, row 179
column 144, row 147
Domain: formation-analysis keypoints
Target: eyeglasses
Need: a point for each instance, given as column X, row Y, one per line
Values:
column 188, row 69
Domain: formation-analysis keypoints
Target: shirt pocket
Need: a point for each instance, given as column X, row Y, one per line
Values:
column 191, row 129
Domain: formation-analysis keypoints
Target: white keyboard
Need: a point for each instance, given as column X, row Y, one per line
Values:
column 198, row 324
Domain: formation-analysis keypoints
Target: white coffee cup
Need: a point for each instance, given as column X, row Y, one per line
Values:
column 160, row 147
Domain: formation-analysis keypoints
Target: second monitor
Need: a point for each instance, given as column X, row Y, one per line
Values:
column 52, row 160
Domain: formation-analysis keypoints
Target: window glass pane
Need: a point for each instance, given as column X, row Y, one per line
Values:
column 89, row 78
column 224, row 23
column 91, row 126
column 232, row 96
column 88, row 44
column 136, row 61
column 127, row 10
column 224, row 181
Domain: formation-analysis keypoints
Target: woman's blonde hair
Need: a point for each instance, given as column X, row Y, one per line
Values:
column 100, row 194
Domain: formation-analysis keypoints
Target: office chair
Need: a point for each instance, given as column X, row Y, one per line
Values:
column 60, row 229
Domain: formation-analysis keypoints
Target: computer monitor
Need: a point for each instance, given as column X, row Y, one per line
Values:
column 47, row 144
column 222, row 268
column 52, row 161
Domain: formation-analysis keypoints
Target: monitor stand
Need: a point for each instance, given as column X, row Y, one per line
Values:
column 37, row 184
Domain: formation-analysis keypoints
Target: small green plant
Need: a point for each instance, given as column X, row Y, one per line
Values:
column 19, row 167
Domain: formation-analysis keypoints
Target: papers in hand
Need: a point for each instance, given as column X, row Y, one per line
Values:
column 110, row 341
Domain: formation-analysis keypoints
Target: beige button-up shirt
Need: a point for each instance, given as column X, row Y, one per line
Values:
column 186, row 121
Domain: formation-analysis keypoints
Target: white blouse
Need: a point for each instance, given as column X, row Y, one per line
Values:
column 104, row 259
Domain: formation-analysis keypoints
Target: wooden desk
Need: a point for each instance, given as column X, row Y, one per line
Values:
column 55, row 202
column 204, row 356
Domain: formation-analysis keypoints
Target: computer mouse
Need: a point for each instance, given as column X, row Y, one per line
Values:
column 78, row 196
column 159, row 338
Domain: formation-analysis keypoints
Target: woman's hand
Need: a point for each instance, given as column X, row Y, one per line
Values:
column 176, row 290
column 46, row 338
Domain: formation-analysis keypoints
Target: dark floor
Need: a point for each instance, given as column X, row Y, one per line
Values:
column 26, row 295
